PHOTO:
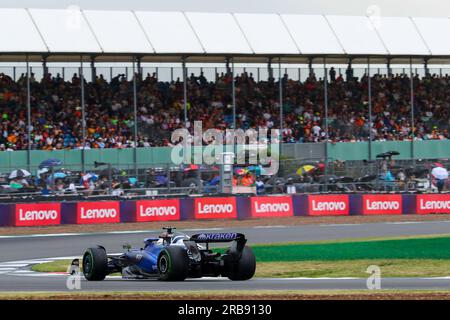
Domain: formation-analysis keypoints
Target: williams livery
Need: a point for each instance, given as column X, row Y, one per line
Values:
column 174, row 256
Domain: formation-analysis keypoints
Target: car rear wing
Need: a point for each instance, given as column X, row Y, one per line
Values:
column 218, row 237
column 234, row 252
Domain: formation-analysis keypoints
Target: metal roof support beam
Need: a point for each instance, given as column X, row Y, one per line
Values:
column 233, row 94
column 349, row 71
column 280, row 80
column 388, row 65
column 425, row 66
column 93, row 70
column 139, row 68
column 227, row 65
column 325, row 102
column 44, row 66
column 29, row 140
column 135, row 118
column 269, row 68
column 412, row 107
column 310, row 67
column 83, row 118
column 369, row 98
column 183, row 65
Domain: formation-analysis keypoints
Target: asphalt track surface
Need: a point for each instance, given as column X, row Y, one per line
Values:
column 46, row 246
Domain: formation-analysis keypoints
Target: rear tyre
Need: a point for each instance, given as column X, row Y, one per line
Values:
column 173, row 263
column 95, row 264
column 244, row 268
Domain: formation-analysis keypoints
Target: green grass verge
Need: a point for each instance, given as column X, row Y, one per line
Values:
column 391, row 268
column 411, row 248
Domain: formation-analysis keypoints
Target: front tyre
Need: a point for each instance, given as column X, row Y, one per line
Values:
column 173, row 263
column 244, row 268
column 95, row 264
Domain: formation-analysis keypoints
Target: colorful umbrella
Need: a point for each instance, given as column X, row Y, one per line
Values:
column 440, row 173
column 241, row 171
column 305, row 169
column 50, row 163
column 20, row 173
column 191, row 167
column 257, row 169
column 88, row 176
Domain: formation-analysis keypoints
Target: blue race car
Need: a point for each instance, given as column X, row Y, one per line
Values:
column 174, row 256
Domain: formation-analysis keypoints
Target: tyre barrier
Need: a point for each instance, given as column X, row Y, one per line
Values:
column 236, row 207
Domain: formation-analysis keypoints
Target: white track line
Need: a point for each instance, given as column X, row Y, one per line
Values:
column 340, row 225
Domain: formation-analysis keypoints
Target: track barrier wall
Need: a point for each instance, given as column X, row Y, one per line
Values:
column 236, row 207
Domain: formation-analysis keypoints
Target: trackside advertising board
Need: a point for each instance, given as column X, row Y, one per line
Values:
column 97, row 212
column 271, row 207
column 37, row 214
column 157, row 210
column 432, row 203
column 215, row 208
column 328, row 205
column 382, row 204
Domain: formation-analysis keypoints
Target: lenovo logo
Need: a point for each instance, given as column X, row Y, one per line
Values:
column 98, row 213
column 382, row 205
column 37, row 215
column 328, row 205
column 271, row 207
column 157, row 211
column 434, row 204
column 215, row 208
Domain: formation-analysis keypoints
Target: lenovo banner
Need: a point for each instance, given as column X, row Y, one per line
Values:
column 215, row 208
column 157, row 210
column 97, row 212
column 328, row 205
column 271, row 207
column 432, row 203
column 384, row 204
column 37, row 214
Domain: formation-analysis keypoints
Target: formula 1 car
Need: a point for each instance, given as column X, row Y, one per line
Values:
column 174, row 256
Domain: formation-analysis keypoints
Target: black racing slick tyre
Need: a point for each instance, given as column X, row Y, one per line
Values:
column 95, row 264
column 173, row 264
column 244, row 268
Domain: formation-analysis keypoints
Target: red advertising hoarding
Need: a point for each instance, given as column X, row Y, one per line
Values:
column 215, row 208
column 271, row 207
column 432, row 203
column 382, row 204
column 328, row 205
column 157, row 210
column 98, row 212
column 37, row 214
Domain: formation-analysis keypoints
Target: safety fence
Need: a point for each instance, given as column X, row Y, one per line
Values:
column 141, row 157
column 235, row 207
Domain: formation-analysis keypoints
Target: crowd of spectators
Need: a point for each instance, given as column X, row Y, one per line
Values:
column 56, row 111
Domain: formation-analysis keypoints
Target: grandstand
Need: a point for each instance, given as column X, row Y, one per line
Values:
column 56, row 113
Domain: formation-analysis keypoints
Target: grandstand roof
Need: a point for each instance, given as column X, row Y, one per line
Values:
column 67, row 35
